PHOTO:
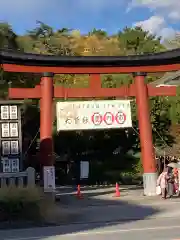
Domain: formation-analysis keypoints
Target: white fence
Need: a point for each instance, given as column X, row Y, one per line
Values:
column 26, row 178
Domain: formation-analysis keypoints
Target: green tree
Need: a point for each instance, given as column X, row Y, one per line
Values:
column 99, row 33
column 137, row 41
column 47, row 41
column 7, row 37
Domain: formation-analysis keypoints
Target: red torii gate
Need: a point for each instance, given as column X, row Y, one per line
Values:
column 138, row 65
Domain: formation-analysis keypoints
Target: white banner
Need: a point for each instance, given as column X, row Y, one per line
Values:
column 84, row 115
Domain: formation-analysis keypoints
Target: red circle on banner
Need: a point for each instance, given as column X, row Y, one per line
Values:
column 120, row 117
column 108, row 118
column 97, row 118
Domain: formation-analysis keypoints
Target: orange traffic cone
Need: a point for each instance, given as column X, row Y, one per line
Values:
column 117, row 194
column 79, row 195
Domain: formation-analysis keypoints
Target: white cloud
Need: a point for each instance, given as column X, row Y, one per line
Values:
column 174, row 15
column 156, row 25
column 164, row 11
column 167, row 33
column 168, row 8
column 154, row 4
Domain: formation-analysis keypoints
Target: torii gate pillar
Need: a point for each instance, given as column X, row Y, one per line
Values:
column 46, row 120
column 145, row 128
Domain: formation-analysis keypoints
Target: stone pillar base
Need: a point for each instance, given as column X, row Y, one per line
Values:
column 149, row 183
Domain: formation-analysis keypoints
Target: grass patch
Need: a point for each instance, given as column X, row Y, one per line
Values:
column 18, row 203
column 30, row 204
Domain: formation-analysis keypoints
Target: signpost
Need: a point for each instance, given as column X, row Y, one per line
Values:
column 84, row 115
column 49, row 179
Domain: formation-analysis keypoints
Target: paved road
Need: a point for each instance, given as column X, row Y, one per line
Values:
column 103, row 214
column 153, row 229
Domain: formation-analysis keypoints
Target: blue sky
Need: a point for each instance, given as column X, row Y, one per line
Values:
column 161, row 17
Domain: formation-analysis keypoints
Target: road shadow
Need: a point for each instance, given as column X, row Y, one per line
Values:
column 92, row 215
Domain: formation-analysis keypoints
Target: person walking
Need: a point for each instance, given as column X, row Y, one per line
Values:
column 170, row 182
column 162, row 182
column 176, row 181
